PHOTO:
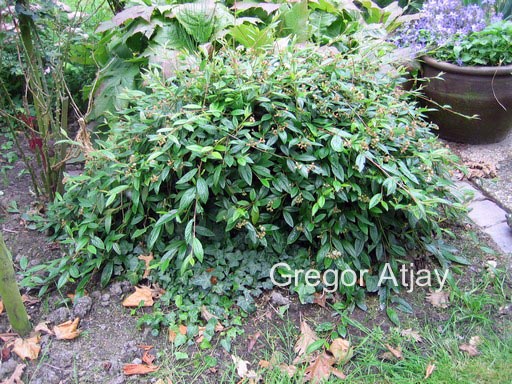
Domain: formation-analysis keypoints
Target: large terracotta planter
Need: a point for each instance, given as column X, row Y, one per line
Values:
column 482, row 91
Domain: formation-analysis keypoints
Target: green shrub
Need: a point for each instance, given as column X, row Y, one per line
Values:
column 301, row 149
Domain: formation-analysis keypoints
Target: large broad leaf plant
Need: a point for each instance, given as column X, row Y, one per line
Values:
column 158, row 32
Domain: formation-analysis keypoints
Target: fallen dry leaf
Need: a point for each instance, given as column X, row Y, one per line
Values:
column 29, row 300
column 182, row 329
column 16, row 375
column 27, row 348
column 142, row 296
column 147, row 259
column 148, row 358
column 139, row 369
column 43, row 327
column 161, row 381
column 290, row 370
column 5, row 354
column 411, row 334
column 471, row 350
column 242, row 368
column 429, row 370
column 252, row 340
column 1, row 306
column 475, row 341
column 67, row 330
column 396, row 352
column 321, row 368
column 320, row 299
column 438, row 299
column 207, row 316
column 307, row 337
column 387, row 356
column 8, row 337
column 341, row 350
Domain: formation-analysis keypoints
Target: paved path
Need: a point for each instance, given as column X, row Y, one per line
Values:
column 490, row 217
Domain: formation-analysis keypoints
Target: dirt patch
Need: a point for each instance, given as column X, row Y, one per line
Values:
column 491, row 166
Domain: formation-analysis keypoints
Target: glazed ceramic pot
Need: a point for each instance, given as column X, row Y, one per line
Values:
column 482, row 91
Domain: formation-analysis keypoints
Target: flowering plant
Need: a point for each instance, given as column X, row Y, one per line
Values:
column 453, row 31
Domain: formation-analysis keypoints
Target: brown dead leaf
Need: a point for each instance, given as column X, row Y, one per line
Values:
column 29, row 300
column 438, row 299
column 139, row 369
column 16, row 375
column 471, row 350
column 339, row 374
column 341, row 350
column 264, row 364
column 27, row 348
column 1, row 306
column 43, row 327
column 252, row 340
column 242, row 368
column 67, row 330
column 475, row 341
column 320, row 299
column 142, row 296
column 5, row 354
column 321, row 368
column 8, row 337
column 147, row 259
column 387, row 356
column 290, row 370
column 429, row 370
column 396, row 352
column 207, row 316
column 148, row 358
column 200, row 334
column 161, row 381
column 411, row 334
column 182, row 329
column 307, row 337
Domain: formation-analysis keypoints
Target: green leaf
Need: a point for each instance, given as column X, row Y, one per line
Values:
column 288, row 218
column 106, row 274
column 246, row 173
column 293, row 236
column 197, row 248
column 393, row 316
column 202, row 189
column 316, row 345
column 376, row 199
column 153, row 237
column 187, row 176
column 188, row 231
column 337, row 143
column 197, row 19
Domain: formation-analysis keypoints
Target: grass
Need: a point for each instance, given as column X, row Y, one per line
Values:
column 477, row 295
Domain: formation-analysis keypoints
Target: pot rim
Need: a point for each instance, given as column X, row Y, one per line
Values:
column 471, row 70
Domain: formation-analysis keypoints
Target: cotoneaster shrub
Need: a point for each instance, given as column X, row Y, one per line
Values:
column 265, row 155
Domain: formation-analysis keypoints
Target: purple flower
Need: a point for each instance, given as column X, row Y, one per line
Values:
column 441, row 21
